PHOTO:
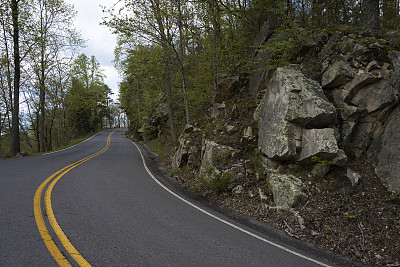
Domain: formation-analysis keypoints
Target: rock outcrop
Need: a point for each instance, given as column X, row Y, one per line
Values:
column 350, row 107
column 287, row 190
column 189, row 147
column 213, row 158
column 291, row 106
column 386, row 152
column 298, row 123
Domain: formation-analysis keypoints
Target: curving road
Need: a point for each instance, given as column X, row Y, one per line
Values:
column 115, row 213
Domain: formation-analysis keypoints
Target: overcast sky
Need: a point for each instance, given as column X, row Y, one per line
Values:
column 100, row 42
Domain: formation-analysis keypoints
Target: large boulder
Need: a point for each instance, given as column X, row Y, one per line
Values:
column 369, row 128
column 287, row 190
column 386, row 152
column 189, row 147
column 267, row 29
column 375, row 96
column 338, row 74
column 292, row 101
column 394, row 57
column 213, row 157
column 319, row 144
column 359, row 81
column 259, row 70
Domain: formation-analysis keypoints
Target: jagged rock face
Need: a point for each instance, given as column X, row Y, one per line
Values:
column 291, row 102
column 213, row 155
column 320, row 143
column 364, row 90
column 227, row 86
column 375, row 96
column 337, row 75
column 189, row 147
column 386, row 152
column 286, row 189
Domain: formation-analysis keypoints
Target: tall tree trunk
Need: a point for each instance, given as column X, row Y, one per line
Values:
column 169, row 97
column 155, row 5
column 42, row 97
column 181, row 59
column 138, row 100
column 390, row 14
column 316, row 11
column 214, row 9
column 15, row 144
column 370, row 16
column 9, row 80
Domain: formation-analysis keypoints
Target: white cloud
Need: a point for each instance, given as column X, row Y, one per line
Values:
column 100, row 41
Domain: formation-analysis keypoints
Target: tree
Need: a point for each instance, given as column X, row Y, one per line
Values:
column 53, row 33
column 14, row 144
column 390, row 13
column 87, row 96
column 150, row 22
column 370, row 16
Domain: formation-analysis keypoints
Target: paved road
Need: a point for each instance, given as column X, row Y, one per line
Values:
column 115, row 214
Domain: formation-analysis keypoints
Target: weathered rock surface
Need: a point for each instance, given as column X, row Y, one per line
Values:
column 286, row 189
column 387, row 153
column 353, row 176
column 394, row 56
column 213, row 155
column 375, row 96
column 359, row 81
column 337, row 75
column 320, row 143
column 291, row 101
column 188, row 148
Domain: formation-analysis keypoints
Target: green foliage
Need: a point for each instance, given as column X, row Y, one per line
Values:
column 219, row 183
column 256, row 164
column 283, row 46
column 87, row 97
column 178, row 171
column 321, row 162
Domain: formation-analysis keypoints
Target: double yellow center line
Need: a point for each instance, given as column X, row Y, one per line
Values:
column 48, row 240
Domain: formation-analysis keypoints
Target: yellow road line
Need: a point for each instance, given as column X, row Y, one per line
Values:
column 48, row 240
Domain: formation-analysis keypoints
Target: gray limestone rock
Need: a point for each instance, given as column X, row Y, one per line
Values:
column 188, row 147
column 286, row 189
column 248, row 133
column 320, row 143
column 291, row 101
column 387, row 153
column 394, row 56
column 359, row 81
column 341, row 159
column 375, row 96
column 337, row 75
column 212, row 156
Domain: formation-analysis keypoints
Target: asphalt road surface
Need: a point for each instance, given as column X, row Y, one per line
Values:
column 114, row 211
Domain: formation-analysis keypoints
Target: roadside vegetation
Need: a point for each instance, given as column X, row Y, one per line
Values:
column 50, row 94
column 172, row 54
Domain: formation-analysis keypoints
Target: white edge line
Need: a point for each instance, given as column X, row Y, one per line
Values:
column 72, row 146
column 224, row 221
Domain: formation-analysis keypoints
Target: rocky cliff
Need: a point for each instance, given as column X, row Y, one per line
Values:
column 310, row 148
column 349, row 110
column 308, row 120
